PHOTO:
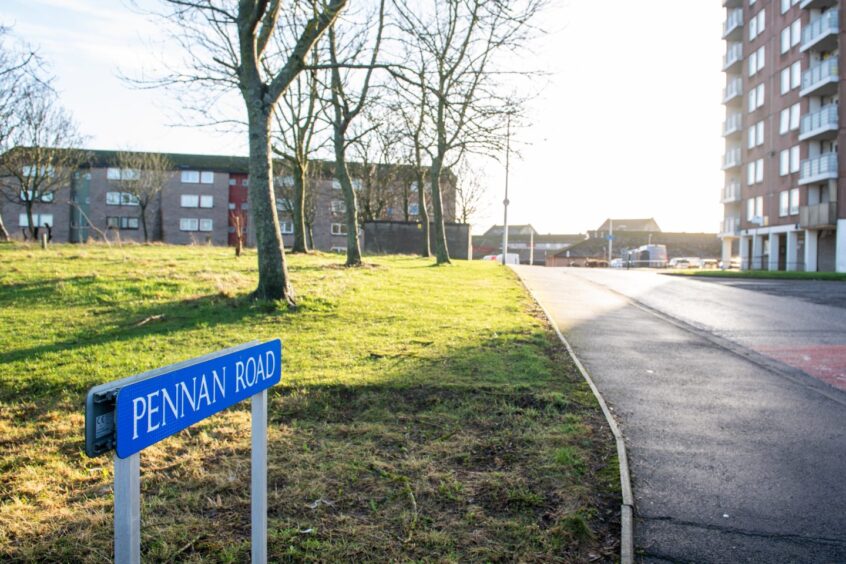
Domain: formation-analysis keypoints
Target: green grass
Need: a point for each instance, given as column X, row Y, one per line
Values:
column 762, row 274
column 425, row 413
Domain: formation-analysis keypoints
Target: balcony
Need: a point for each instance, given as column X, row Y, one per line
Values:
column 818, row 216
column 821, row 79
column 732, row 158
column 733, row 56
column 822, row 124
column 821, row 33
column 818, row 169
column 733, row 124
column 816, row 4
column 730, row 227
column 733, row 26
column 733, row 90
column 731, row 192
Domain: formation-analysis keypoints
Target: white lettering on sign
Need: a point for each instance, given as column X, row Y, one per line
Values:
column 166, row 405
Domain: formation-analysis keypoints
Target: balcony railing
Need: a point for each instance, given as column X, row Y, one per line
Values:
column 733, row 124
column 732, row 158
column 822, row 76
column 733, row 23
column 822, row 31
column 819, row 215
column 731, row 192
column 817, row 169
column 817, row 124
column 733, row 56
column 730, row 227
column 733, row 89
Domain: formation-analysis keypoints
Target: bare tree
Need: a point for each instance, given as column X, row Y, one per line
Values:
column 232, row 47
column 20, row 78
column 345, row 108
column 469, row 192
column 40, row 154
column 295, row 133
column 458, row 79
column 377, row 151
column 143, row 176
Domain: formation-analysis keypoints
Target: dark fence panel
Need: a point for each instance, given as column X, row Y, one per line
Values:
column 401, row 237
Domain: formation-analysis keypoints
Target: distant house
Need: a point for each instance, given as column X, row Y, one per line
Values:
column 523, row 240
column 648, row 225
column 595, row 249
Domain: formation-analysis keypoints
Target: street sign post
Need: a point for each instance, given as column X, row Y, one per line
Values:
column 129, row 415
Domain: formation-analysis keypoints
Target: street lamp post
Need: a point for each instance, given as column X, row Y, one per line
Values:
column 505, row 201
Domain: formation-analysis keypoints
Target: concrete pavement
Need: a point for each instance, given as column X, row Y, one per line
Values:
column 732, row 460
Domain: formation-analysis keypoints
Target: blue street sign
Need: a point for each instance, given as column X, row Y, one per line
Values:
column 150, row 409
column 610, row 237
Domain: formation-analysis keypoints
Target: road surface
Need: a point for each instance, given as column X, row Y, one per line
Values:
column 727, row 394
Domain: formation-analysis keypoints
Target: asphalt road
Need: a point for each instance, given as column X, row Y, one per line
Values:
column 737, row 454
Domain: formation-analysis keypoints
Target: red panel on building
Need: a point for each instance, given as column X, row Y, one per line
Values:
column 237, row 207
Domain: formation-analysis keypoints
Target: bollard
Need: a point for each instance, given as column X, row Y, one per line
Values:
column 43, row 240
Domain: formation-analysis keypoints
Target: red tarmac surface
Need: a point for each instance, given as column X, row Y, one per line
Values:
column 826, row 362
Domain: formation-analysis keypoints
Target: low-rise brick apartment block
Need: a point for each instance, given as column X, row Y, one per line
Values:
column 784, row 195
column 202, row 199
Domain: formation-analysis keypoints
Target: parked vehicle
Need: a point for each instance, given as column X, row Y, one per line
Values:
column 648, row 256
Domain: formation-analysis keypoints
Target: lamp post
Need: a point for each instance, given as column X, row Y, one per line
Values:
column 505, row 201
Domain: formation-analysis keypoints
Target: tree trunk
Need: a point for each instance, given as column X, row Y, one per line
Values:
column 33, row 229
column 4, row 234
column 144, row 223
column 441, row 249
column 343, row 176
column 310, row 235
column 273, row 281
column 300, row 243
column 426, row 249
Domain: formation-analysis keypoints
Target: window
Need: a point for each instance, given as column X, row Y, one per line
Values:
column 795, row 32
column 784, row 163
column 206, row 201
column 794, row 116
column 232, row 182
column 31, row 170
column 786, row 4
column 188, row 224
column 48, row 197
column 113, row 173
column 794, row 201
column 206, row 177
column 286, row 227
column 190, row 177
column 338, row 206
column 759, row 170
column 206, row 225
column 794, row 159
column 756, row 135
column 796, row 74
column 335, row 184
column 750, row 209
column 129, row 223
column 232, row 205
column 750, row 174
column 759, row 206
column 339, row 229
column 127, row 199
column 756, row 61
column 783, row 203
column 284, row 205
column 356, row 183
column 413, row 209
column 784, row 121
column 785, row 40
column 113, row 223
column 756, row 97
column 189, row 201
column 40, row 220
column 286, row 180
column 785, row 81
column 413, row 187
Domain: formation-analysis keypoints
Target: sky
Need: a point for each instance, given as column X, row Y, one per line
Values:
column 625, row 124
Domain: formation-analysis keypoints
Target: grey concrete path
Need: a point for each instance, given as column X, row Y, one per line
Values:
column 732, row 460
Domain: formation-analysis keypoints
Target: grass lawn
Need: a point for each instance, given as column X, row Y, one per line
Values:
column 763, row 274
column 425, row 414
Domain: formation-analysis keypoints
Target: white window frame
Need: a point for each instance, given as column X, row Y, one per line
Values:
column 783, row 203
column 336, row 184
column 112, row 198
column 794, row 201
column 338, row 229
column 785, row 80
column 795, row 75
column 794, row 116
column 750, row 173
column 785, row 40
column 784, row 121
column 127, row 199
column 338, row 206
column 286, row 227
column 413, row 208
column 759, row 170
column 205, row 225
column 794, row 159
column 784, row 162
column 190, row 177
column 207, row 177
column 796, row 32
column 189, row 224
column 206, row 201
column 759, row 206
column 189, row 201
column 750, row 209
